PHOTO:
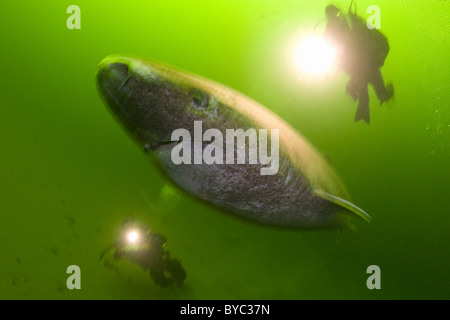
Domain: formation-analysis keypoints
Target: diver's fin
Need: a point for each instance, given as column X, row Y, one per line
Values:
column 343, row 203
column 362, row 113
column 389, row 93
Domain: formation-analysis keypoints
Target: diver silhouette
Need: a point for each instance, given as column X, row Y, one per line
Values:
column 146, row 248
column 362, row 53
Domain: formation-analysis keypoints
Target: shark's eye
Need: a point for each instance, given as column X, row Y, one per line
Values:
column 199, row 98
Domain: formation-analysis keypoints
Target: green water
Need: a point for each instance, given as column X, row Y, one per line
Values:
column 69, row 175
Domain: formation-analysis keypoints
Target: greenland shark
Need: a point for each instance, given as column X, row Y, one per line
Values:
column 151, row 100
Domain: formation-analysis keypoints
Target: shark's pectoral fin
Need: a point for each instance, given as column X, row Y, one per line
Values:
column 343, row 203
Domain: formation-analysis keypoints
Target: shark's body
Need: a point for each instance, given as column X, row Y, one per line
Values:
column 151, row 100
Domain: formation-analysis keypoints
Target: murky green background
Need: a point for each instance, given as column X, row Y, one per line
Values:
column 69, row 174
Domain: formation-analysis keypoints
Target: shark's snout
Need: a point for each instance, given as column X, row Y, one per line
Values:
column 119, row 70
column 112, row 76
column 114, row 82
column 138, row 97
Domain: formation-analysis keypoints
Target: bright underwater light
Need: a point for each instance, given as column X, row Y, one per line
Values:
column 132, row 236
column 314, row 56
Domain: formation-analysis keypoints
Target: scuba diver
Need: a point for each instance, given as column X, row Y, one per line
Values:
column 140, row 245
column 362, row 54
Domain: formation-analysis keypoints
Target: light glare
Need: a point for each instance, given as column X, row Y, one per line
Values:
column 132, row 236
column 315, row 56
